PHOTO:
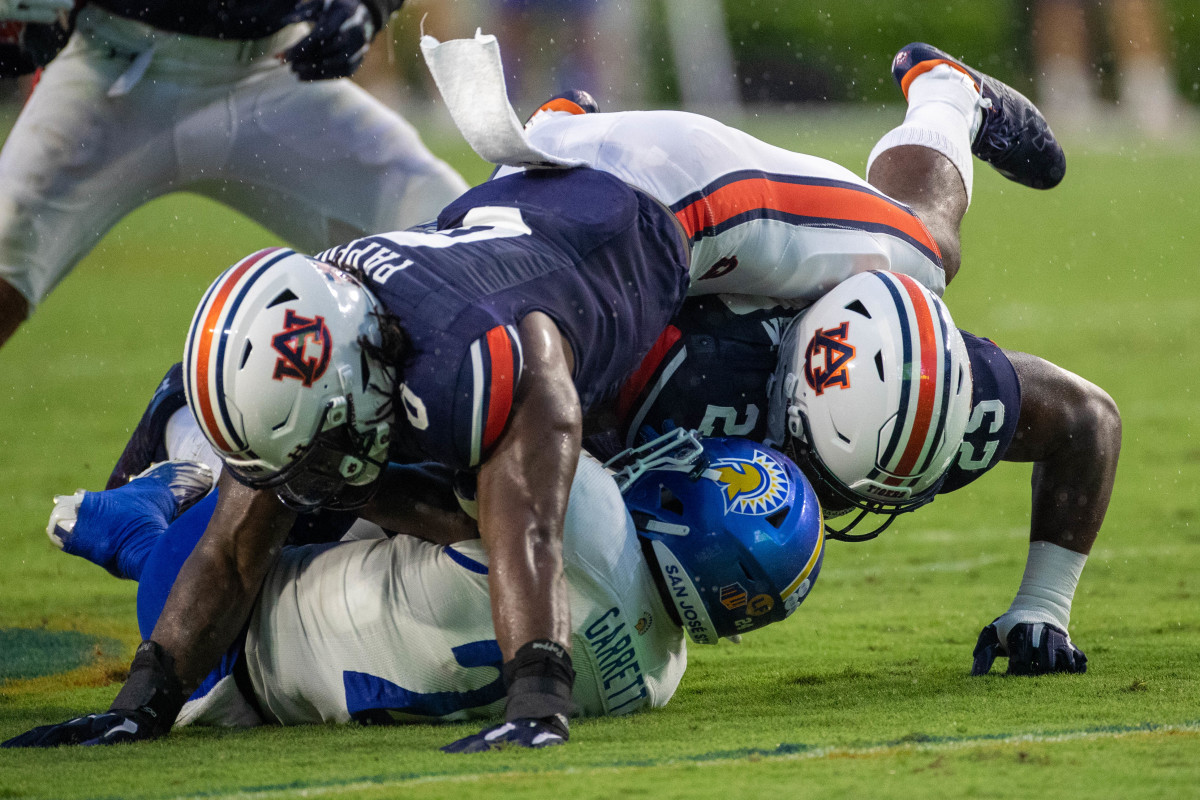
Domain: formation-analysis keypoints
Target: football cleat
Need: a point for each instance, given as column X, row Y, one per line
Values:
column 1014, row 136
column 148, row 444
column 99, row 526
column 572, row 101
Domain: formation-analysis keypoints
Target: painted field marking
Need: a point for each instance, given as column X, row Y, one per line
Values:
column 784, row 752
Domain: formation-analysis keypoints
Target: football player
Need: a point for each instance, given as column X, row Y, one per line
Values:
column 398, row 629
column 480, row 343
column 763, row 220
column 885, row 405
column 243, row 102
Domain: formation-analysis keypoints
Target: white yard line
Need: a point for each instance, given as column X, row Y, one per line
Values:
column 938, row 745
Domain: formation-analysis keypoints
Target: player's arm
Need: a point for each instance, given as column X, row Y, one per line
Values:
column 207, row 606
column 418, row 500
column 523, row 490
column 1071, row 430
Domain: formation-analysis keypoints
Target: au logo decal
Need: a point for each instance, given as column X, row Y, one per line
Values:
column 831, row 345
column 303, row 347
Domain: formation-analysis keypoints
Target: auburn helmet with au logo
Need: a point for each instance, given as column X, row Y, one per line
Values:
column 277, row 375
column 872, row 396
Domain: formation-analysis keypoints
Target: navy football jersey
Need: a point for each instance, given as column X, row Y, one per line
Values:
column 602, row 260
column 709, row 371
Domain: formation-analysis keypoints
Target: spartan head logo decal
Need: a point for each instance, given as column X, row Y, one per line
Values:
column 303, row 348
column 837, row 354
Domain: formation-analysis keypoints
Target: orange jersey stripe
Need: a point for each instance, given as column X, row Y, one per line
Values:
column 836, row 203
column 500, row 389
column 636, row 384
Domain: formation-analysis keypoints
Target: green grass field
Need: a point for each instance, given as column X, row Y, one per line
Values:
column 864, row 692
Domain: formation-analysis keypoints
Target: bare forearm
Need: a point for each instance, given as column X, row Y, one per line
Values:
column 216, row 587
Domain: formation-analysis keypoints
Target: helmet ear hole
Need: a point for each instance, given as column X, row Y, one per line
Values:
column 776, row 520
column 858, row 308
column 879, row 363
column 246, row 354
column 667, row 501
column 285, row 296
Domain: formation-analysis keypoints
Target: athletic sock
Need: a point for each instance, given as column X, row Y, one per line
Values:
column 944, row 114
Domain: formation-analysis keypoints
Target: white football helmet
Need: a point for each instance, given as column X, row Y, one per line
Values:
column 872, row 396
column 282, row 374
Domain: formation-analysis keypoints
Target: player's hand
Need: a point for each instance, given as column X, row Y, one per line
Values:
column 44, row 11
column 112, row 727
column 342, row 32
column 533, row 733
column 1033, row 648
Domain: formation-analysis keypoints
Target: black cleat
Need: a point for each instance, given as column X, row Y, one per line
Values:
column 1014, row 137
column 573, row 101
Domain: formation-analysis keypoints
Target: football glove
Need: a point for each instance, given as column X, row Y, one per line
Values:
column 1033, row 648
column 342, row 32
column 532, row 733
column 44, row 11
column 112, row 727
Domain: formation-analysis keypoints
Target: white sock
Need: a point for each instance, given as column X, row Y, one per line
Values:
column 944, row 115
column 1047, row 588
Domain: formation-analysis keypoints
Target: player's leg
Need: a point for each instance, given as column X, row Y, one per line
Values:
column 117, row 529
column 75, row 162
column 325, row 162
column 955, row 111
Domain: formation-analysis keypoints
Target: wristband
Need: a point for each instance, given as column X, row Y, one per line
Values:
column 539, row 680
column 152, row 688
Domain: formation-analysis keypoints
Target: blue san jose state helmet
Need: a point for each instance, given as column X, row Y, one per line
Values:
column 734, row 526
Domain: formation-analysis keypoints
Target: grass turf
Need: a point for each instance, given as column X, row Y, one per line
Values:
column 864, row 691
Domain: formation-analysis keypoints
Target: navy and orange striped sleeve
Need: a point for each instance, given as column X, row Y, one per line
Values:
column 487, row 385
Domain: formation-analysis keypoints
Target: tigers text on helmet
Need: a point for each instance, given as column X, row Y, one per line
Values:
column 734, row 529
column 872, row 396
column 278, row 377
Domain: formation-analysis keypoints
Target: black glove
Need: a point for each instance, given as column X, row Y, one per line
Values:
column 342, row 32
column 533, row 733
column 113, row 727
column 145, row 708
column 1033, row 648
column 539, row 680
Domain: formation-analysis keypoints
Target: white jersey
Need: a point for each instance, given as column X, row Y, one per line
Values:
column 761, row 220
column 401, row 629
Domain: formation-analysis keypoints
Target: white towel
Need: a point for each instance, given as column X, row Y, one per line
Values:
column 470, row 77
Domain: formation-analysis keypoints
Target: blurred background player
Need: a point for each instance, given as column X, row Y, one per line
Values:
column 399, row 629
column 246, row 105
column 1138, row 38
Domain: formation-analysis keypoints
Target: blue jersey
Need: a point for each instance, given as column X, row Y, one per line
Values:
column 710, row 370
column 604, row 261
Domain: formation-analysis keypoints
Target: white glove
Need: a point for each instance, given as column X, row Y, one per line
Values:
column 44, row 11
